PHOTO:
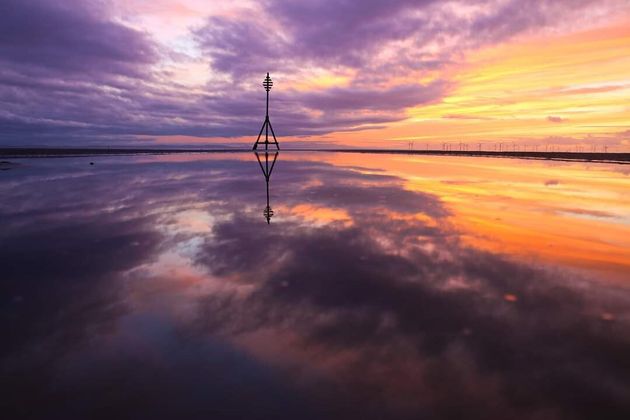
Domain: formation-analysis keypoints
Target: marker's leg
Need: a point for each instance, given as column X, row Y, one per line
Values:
column 266, row 133
column 274, row 136
column 259, row 134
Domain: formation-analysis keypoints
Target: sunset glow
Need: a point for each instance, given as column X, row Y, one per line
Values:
column 532, row 91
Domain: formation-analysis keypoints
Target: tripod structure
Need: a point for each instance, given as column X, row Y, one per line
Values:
column 267, row 84
column 267, row 170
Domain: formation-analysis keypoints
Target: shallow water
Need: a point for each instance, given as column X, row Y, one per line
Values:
column 384, row 286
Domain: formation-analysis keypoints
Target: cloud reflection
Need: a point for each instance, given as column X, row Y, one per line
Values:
column 384, row 313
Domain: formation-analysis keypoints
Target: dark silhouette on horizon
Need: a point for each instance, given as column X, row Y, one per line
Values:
column 267, row 170
column 606, row 156
column 267, row 84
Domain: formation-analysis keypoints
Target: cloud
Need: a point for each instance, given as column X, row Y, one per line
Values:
column 554, row 119
column 588, row 213
column 394, row 99
column 70, row 39
column 71, row 72
column 68, row 70
column 595, row 89
column 391, row 36
column 465, row 117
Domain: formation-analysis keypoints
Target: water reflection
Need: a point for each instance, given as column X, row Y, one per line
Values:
column 267, row 170
column 144, row 287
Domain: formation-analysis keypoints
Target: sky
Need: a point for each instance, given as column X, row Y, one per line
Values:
column 528, row 74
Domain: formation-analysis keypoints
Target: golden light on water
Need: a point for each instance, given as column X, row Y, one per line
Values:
column 576, row 214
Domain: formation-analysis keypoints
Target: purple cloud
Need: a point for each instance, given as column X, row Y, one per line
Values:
column 401, row 96
column 68, row 39
column 424, row 34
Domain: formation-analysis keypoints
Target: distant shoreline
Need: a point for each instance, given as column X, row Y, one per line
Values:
column 8, row 153
column 622, row 158
column 15, row 152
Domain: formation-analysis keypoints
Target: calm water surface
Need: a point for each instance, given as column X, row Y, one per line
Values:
column 384, row 287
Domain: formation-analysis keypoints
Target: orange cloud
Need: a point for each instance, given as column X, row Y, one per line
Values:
column 512, row 91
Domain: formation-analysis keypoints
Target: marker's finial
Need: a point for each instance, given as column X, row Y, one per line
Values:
column 267, row 83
